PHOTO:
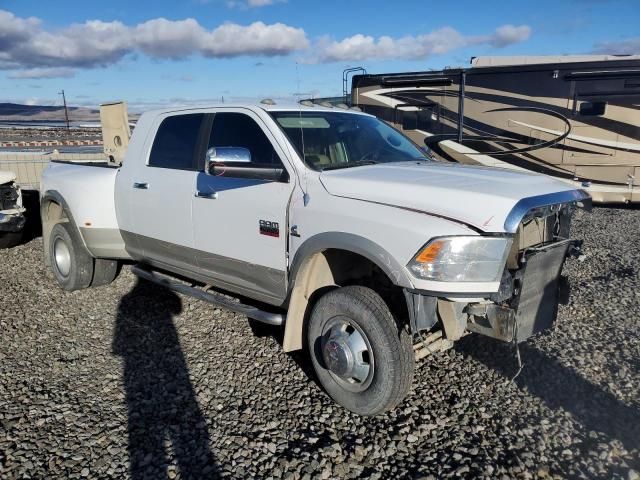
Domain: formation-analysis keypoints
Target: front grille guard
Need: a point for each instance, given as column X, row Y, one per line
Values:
column 527, row 205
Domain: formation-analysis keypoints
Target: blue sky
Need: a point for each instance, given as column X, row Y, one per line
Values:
column 148, row 53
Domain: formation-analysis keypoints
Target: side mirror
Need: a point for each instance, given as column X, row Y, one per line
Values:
column 235, row 162
column 219, row 156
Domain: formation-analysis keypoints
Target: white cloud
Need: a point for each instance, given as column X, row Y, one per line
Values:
column 43, row 73
column 231, row 40
column 25, row 44
column 508, row 35
column 629, row 46
column 244, row 4
column 365, row 47
column 162, row 38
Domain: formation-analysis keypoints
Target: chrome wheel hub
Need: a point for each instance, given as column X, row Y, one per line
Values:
column 62, row 257
column 347, row 354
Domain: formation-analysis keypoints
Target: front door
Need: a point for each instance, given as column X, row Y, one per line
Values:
column 240, row 224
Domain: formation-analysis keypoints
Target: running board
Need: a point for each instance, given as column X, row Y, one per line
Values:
column 216, row 299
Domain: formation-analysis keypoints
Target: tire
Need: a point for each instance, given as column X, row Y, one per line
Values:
column 10, row 239
column 104, row 272
column 367, row 379
column 72, row 266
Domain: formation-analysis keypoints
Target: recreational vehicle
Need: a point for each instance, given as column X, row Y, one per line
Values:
column 576, row 118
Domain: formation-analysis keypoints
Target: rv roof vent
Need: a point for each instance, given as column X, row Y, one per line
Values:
column 267, row 101
column 343, row 106
column 306, row 103
column 357, row 109
column 325, row 104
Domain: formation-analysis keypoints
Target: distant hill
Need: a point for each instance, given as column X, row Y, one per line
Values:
column 20, row 113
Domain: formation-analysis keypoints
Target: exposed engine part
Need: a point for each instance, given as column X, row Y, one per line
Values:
column 422, row 311
column 505, row 292
column 497, row 322
column 9, row 196
column 452, row 317
column 431, row 344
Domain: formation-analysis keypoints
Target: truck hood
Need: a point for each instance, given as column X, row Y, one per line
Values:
column 6, row 177
column 482, row 197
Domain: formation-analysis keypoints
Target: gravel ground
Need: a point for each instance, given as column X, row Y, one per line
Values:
column 133, row 381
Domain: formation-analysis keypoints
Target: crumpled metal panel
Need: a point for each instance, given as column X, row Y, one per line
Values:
column 538, row 300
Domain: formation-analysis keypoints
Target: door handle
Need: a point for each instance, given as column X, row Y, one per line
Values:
column 209, row 196
column 141, row 185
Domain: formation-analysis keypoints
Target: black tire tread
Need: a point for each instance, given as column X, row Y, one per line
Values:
column 81, row 272
column 402, row 366
column 104, row 272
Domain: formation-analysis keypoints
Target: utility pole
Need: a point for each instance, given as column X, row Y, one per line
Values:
column 66, row 113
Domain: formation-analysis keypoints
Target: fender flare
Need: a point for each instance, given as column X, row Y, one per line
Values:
column 303, row 285
column 55, row 196
column 351, row 243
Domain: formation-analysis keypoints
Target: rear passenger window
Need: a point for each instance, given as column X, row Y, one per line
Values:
column 593, row 108
column 239, row 130
column 176, row 142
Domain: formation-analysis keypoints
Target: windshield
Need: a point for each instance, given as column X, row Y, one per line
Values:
column 329, row 140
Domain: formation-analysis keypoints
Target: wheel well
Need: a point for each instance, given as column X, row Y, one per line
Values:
column 333, row 268
column 51, row 213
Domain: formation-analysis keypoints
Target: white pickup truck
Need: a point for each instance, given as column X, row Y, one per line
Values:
column 326, row 221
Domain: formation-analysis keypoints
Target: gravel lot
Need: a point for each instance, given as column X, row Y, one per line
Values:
column 133, row 381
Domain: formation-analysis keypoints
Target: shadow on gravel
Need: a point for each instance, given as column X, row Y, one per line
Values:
column 301, row 357
column 33, row 225
column 558, row 387
column 166, row 425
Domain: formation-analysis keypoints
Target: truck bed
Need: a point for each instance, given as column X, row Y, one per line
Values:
column 89, row 197
column 28, row 166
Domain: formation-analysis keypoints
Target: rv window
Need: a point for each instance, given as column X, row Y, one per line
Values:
column 593, row 108
column 421, row 119
column 409, row 120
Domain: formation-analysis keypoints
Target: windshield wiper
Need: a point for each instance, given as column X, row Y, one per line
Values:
column 349, row 164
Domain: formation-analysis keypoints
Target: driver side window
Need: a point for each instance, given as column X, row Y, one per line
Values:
column 232, row 129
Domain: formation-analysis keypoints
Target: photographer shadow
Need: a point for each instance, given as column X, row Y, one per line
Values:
column 165, row 423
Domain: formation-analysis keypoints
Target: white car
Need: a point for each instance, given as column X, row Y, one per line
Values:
column 326, row 221
column 12, row 217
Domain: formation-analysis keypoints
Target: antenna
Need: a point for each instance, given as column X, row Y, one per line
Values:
column 305, row 189
column 66, row 113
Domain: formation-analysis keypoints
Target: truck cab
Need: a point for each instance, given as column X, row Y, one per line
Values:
column 326, row 222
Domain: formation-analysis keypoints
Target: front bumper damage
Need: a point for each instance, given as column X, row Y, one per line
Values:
column 12, row 221
column 528, row 305
column 533, row 307
column 531, row 289
column 12, row 211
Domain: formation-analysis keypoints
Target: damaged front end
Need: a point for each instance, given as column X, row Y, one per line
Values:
column 531, row 288
column 532, row 285
column 12, row 218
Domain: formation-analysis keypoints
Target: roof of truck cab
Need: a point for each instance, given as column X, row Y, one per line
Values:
column 277, row 107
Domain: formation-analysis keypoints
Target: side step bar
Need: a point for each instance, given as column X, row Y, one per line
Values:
column 216, row 299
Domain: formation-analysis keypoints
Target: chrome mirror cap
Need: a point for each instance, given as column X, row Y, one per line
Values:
column 222, row 155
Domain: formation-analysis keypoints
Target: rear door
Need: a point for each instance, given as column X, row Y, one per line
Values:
column 162, row 191
column 240, row 228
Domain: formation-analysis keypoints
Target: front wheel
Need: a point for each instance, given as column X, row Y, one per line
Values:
column 363, row 359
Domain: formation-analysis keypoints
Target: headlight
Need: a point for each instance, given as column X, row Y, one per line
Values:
column 462, row 259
